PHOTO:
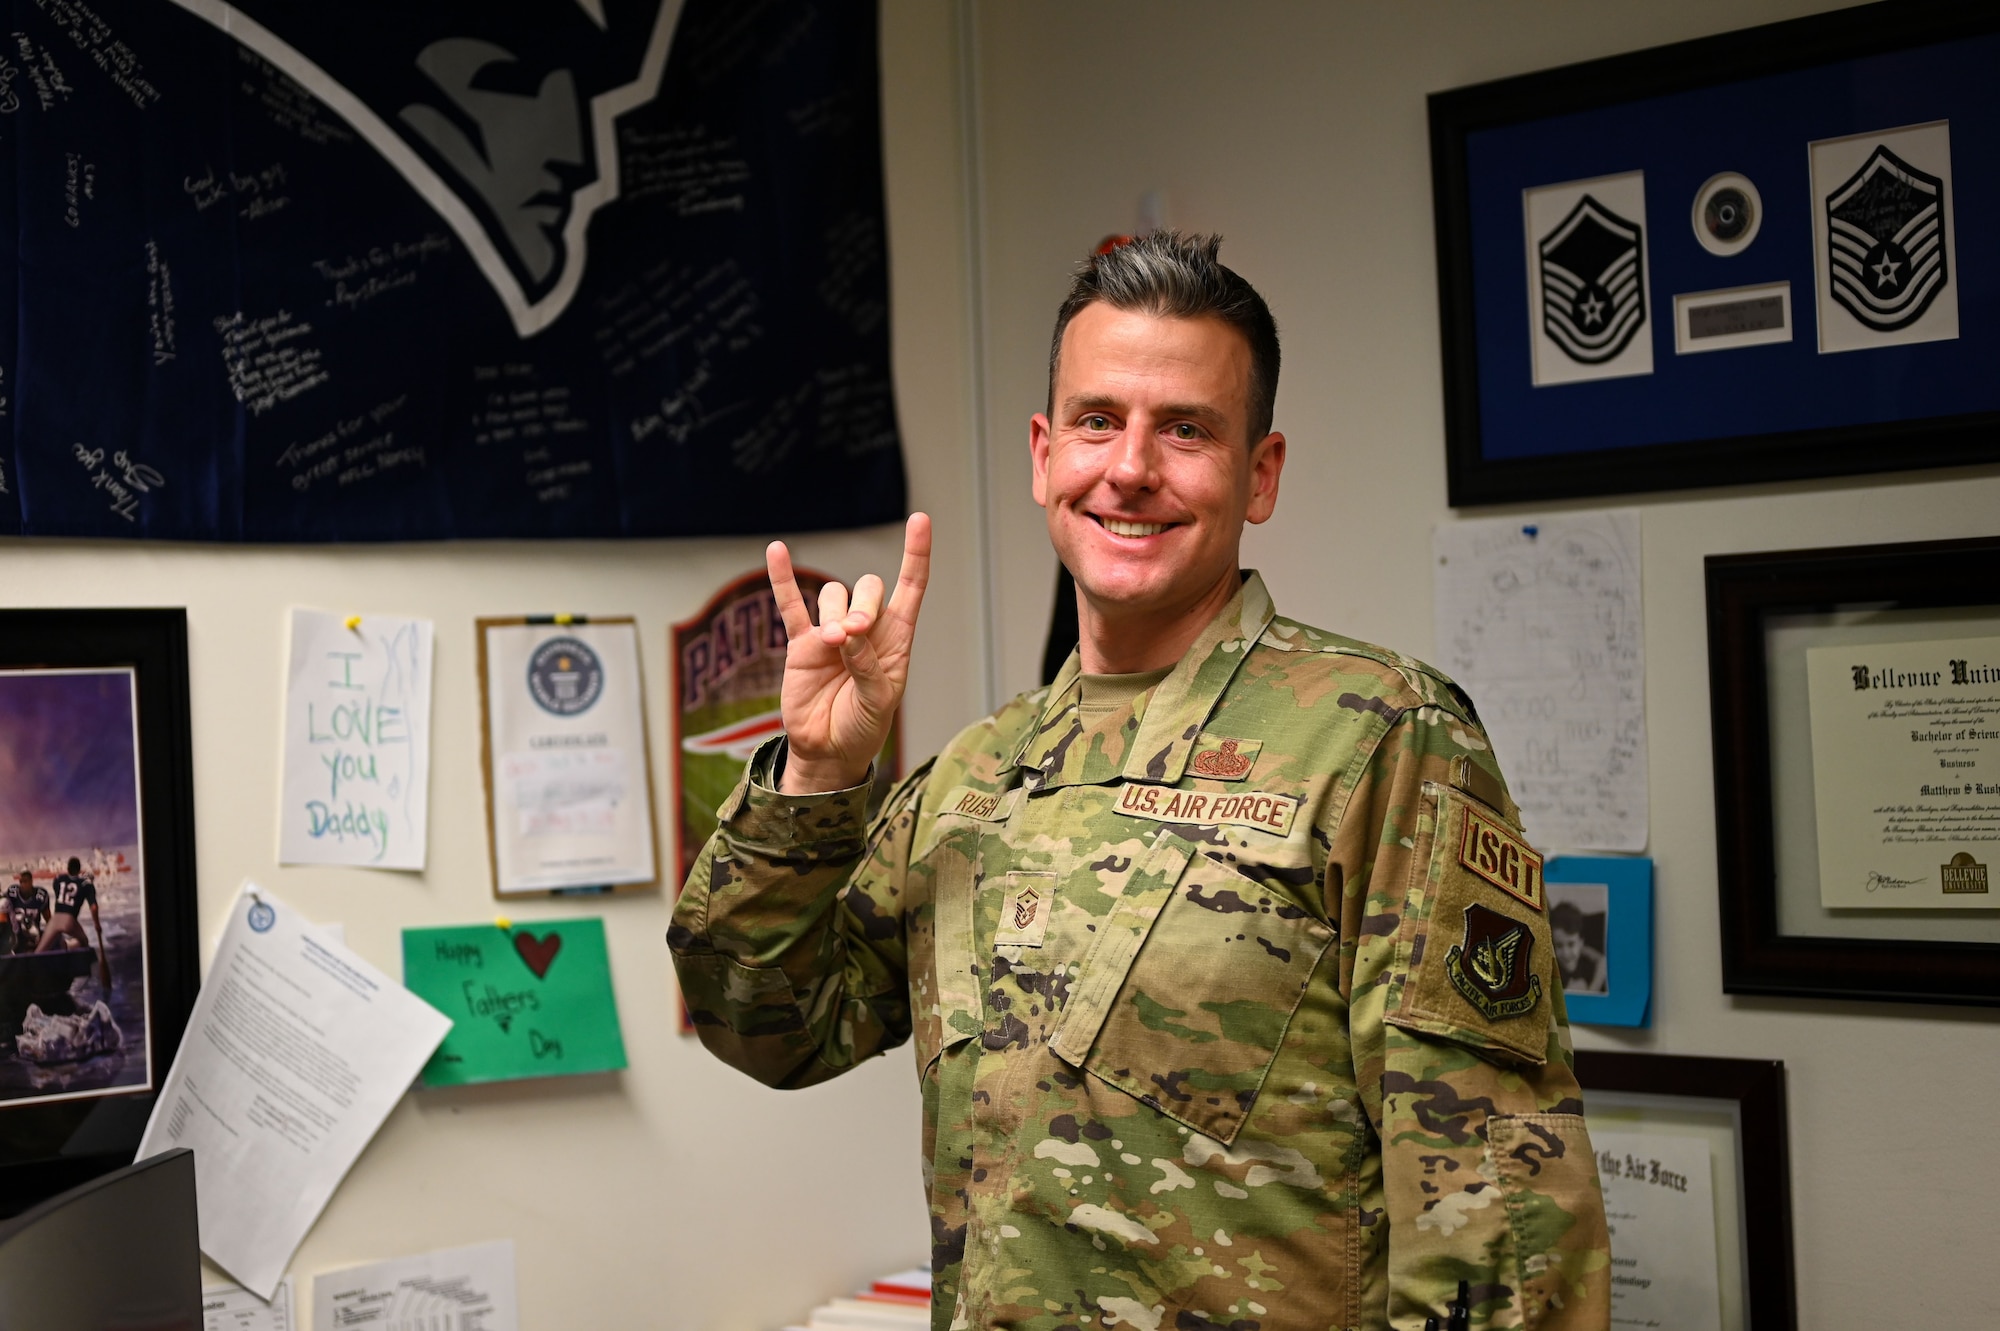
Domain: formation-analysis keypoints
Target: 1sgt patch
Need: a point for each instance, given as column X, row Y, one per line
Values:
column 1491, row 967
column 1473, row 950
column 1488, row 848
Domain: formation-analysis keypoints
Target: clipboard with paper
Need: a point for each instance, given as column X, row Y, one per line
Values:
column 569, row 790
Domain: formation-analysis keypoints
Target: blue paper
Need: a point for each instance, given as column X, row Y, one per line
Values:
column 1628, row 939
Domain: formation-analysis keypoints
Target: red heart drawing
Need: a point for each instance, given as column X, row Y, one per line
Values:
column 539, row 953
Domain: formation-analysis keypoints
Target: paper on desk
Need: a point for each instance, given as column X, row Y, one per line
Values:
column 357, row 741
column 234, row 1308
column 1659, row 1197
column 1538, row 619
column 296, row 1052
column 456, row 1287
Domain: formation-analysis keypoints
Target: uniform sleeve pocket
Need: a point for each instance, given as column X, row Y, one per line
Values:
column 1555, row 1211
column 1477, row 966
column 1201, row 1013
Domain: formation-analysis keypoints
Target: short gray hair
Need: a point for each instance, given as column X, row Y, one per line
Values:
column 1176, row 275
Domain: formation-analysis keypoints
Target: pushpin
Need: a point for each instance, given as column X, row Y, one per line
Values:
column 353, row 622
column 565, row 619
column 503, row 922
column 1531, row 532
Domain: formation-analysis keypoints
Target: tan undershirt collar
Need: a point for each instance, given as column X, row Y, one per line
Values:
column 1104, row 694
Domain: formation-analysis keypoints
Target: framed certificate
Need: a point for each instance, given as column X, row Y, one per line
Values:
column 569, row 790
column 1695, row 1161
column 1737, row 259
column 1856, row 710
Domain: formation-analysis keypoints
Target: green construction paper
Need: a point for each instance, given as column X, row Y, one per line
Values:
column 507, row 1022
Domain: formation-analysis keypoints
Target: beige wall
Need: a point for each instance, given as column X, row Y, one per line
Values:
column 1299, row 131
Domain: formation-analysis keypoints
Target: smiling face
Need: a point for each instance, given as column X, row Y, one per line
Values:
column 1147, row 478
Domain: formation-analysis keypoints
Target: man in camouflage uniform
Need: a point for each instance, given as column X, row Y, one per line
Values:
column 1227, row 964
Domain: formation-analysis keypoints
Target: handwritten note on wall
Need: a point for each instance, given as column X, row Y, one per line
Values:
column 357, row 741
column 1539, row 620
column 527, row 1001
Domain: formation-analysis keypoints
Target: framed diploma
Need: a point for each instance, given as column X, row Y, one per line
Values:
column 1856, row 711
column 1695, row 1162
column 569, row 791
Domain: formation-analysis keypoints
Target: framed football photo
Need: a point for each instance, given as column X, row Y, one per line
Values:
column 1731, row 260
column 97, row 909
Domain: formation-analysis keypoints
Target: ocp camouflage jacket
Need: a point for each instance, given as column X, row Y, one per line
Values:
column 1236, row 1009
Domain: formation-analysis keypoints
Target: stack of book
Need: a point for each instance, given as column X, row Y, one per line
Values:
column 899, row 1302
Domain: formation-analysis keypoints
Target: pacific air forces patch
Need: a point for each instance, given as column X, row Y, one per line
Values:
column 1492, row 965
column 1480, row 963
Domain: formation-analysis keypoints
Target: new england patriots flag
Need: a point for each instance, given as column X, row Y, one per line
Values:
column 287, row 271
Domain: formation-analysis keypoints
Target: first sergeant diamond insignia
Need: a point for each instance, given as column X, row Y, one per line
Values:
column 1885, row 242
column 1593, row 298
column 1491, row 967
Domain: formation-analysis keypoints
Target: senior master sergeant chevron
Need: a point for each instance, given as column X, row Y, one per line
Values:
column 1228, row 965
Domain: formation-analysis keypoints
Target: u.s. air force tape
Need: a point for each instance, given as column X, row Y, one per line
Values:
column 1203, row 808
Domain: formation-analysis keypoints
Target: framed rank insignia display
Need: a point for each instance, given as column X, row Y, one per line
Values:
column 1732, row 260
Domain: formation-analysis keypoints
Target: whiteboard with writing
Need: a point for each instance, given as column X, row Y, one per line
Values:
column 1539, row 620
column 357, row 741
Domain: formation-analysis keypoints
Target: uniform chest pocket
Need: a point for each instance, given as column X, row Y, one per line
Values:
column 1191, row 1024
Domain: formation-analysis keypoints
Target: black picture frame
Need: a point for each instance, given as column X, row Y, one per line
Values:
column 1756, row 1087
column 1745, row 592
column 1475, row 479
column 49, row 1145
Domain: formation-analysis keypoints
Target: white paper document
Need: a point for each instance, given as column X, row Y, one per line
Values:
column 234, row 1308
column 455, row 1289
column 569, row 789
column 1538, row 619
column 357, row 741
column 296, row 1052
column 1906, row 773
column 1659, row 1197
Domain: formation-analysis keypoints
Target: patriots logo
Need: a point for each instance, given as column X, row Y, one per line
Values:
column 1885, row 242
column 1593, row 301
column 501, row 116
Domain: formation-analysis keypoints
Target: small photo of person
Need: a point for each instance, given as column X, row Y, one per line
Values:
column 1578, row 915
